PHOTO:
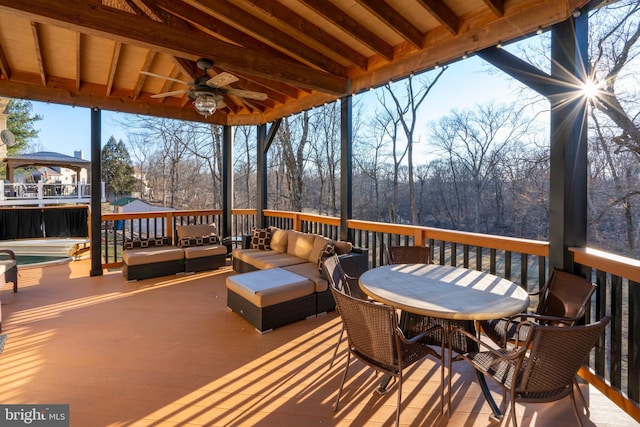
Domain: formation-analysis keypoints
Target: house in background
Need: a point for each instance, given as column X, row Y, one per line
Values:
column 151, row 226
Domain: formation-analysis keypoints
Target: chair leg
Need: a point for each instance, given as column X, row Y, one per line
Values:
column 399, row 398
column 513, row 411
column 575, row 406
column 344, row 377
column 582, row 398
column 335, row 351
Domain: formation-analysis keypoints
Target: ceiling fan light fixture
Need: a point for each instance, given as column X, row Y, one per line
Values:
column 205, row 103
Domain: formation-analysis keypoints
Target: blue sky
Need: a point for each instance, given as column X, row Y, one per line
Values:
column 465, row 84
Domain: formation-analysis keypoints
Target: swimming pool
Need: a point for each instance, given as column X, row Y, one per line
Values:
column 29, row 260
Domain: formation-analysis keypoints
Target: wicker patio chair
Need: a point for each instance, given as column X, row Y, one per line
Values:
column 343, row 282
column 413, row 324
column 408, row 254
column 562, row 301
column 374, row 338
column 543, row 369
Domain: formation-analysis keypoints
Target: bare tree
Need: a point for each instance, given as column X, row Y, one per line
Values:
column 293, row 139
column 370, row 160
column 476, row 144
column 403, row 113
column 245, row 166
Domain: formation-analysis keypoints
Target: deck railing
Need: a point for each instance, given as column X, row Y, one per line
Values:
column 614, row 366
column 18, row 193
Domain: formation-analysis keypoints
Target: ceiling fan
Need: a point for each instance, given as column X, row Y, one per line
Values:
column 207, row 92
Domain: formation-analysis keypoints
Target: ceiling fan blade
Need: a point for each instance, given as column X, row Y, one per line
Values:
column 222, row 79
column 166, row 78
column 221, row 104
column 172, row 93
column 249, row 94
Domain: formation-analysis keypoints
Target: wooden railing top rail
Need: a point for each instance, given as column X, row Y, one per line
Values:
column 244, row 211
column 533, row 247
column 605, row 261
column 159, row 214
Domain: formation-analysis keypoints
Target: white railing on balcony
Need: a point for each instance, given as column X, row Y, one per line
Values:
column 22, row 194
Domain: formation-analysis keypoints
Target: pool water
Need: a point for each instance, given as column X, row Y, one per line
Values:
column 36, row 259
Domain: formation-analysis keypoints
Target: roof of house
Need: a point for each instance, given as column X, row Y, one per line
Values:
column 125, row 201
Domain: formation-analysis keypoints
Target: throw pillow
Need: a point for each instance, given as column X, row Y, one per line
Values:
column 189, row 242
column 342, row 247
column 261, row 238
column 328, row 250
column 146, row 243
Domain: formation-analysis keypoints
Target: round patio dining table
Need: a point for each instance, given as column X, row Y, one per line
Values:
column 446, row 292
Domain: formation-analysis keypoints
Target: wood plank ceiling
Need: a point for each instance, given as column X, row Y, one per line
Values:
column 301, row 53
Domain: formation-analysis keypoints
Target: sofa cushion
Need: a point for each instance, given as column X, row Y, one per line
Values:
column 260, row 239
column 269, row 287
column 146, row 243
column 141, row 256
column 300, row 244
column 310, row 271
column 249, row 254
column 204, row 251
column 342, row 248
column 318, row 244
column 276, row 259
column 265, row 259
column 196, row 230
column 279, row 239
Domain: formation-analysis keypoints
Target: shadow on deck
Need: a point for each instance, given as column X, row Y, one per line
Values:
column 166, row 351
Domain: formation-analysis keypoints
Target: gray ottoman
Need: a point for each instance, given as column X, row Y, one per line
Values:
column 271, row 298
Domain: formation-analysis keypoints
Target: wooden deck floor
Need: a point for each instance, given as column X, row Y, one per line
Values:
column 166, row 351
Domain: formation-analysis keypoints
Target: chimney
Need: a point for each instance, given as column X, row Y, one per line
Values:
column 78, row 154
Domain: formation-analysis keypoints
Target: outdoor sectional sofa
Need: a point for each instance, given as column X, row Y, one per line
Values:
column 198, row 249
column 281, row 280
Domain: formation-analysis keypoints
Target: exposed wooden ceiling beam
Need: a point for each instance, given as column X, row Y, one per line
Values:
column 78, row 15
column 395, row 21
column 452, row 48
column 351, row 26
column 78, row 63
column 142, row 77
column 249, row 85
column 168, row 84
column 281, row 88
column 4, row 65
column 496, row 6
column 272, row 35
column 35, row 30
column 298, row 23
column 93, row 96
column 190, row 15
column 187, row 67
column 443, row 14
column 115, row 56
column 136, row 9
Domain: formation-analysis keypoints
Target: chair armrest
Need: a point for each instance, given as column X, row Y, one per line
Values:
column 9, row 252
column 503, row 352
column 421, row 335
column 557, row 319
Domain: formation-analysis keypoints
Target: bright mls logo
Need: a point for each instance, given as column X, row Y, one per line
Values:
column 34, row 415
